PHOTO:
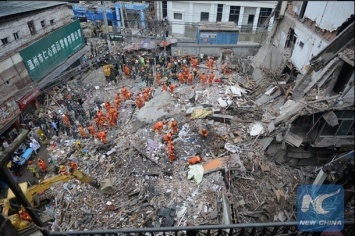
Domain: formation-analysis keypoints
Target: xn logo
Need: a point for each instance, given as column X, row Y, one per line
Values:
column 320, row 208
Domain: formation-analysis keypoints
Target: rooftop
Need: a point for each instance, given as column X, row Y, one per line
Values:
column 8, row 8
column 218, row 26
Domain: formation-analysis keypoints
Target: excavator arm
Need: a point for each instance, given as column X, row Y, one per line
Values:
column 32, row 191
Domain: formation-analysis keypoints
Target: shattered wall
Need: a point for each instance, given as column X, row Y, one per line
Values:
column 329, row 15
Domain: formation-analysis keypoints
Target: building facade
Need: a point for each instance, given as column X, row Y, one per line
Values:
column 303, row 30
column 26, row 43
column 248, row 15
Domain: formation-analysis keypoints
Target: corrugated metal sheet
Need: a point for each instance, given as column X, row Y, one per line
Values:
column 8, row 8
column 217, row 37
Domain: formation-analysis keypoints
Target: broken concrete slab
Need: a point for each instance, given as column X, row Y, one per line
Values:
column 159, row 106
column 287, row 111
column 331, row 118
column 265, row 142
column 293, row 139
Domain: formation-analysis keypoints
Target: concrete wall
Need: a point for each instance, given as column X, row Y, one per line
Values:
column 329, row 15
column 300, row 56
column 13, row 74
column 60, row 14
column 240, row 50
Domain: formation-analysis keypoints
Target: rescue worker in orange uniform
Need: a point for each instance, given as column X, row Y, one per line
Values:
column 190, row 78
column 66, row 119
column 157, row 78
column 146, row 96
column 107, row 106
column 100, row 114
column 24, row 215
column 97, row 121
column 102, row 136
column 158, row 126
column 168, row 137
column 172, row 88
column 73, row 165
column 194, row 63
column 139, row 101
column 92, row 130
column 173, row 125
column 210, row 79
column 164, row 88
column 181, row 77
column 203, row 79
column 124, row 91
column 224, row 68
column 210, row 64
column 113, row 116
column 128, row 96
column 193, row 160
column 126, row 70
column 42, row 165
column 171, row 153
column 117, row 101
column 204, row 132
column 63, row 170
column 82, row 132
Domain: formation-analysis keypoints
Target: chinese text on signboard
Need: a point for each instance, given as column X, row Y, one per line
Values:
column 47, row 53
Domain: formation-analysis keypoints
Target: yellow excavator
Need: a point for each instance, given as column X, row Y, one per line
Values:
column 35, row 194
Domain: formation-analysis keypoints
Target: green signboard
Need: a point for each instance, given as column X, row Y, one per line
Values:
column 47, row 53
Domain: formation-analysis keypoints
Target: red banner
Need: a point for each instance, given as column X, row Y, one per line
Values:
column 28, row 98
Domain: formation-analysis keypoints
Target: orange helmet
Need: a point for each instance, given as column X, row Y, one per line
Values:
column 29, row 163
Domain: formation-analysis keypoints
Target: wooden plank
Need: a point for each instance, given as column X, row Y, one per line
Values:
column 214, row 165
column 300, row 155
column 293, row 139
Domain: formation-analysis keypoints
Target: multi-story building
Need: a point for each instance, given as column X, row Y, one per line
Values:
column 311, row 51
column 248, row 15
column 32, row 47
column 302, row 30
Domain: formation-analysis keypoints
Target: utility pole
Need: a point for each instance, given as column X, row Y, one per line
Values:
column 122, row 16
column 106, row 26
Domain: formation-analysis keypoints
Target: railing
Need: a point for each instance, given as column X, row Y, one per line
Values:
column 255, row 229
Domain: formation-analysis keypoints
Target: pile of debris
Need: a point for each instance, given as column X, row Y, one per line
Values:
column 149, row 191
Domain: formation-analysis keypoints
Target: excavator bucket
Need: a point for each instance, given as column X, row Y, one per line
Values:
column 106, row 187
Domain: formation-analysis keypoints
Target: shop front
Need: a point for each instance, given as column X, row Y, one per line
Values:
column 28, row 103
column 9, row 119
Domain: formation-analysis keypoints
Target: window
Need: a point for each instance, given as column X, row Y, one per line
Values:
column 263, row 17
column 250, row 19
column 219, row 12
column 234, row 14
column 43, row 23
column 343, row 78
column 16, row 35
column 301, row 44
column 291, row 39
column 4, row 41
column 51, row 21
column 177, row 16
column 205, row 16
column 345, row 126
column 165, row 8
column 31, row 26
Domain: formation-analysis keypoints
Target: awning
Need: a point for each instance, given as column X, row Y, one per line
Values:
column 28, row 98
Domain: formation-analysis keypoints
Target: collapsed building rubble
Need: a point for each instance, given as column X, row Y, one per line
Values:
column 251, row 158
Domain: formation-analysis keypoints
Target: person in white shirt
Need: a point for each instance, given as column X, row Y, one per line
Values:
column 34, row 144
